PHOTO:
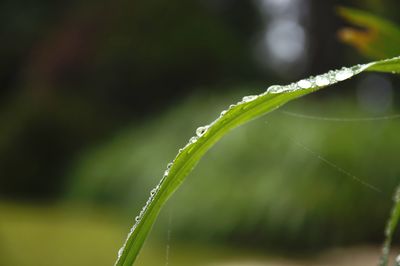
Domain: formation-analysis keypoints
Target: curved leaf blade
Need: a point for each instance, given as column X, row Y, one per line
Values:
column 250, row 107
column 390, row 229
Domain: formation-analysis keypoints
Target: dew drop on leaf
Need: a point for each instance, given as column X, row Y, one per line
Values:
column 343, row 74
column 249, row 98
column 201, row 130
column 120, row 251
column 304, row 84
column 322, row 81
column 275, row 89
column 192, row 140
column 166, row 172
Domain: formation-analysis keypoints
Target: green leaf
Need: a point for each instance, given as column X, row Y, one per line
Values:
column 378, row 38
column 390, row 229
column 250, row 107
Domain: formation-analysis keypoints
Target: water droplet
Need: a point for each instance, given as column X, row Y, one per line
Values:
column 359, row 68
column 153, row 192
column 201, row 130
column 149, row 200
column 169, row 165
column 343, row 74
column 137, row 218
column 322, row 81
column 249, row 98
column 275, row 89
column 223, row 113
column 232, row 106
column 120, row 251
column 293, row 87
column 304, row 84
column 192, row 140
column 166, row 172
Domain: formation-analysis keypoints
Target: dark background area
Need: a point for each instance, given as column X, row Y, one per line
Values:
column 73, row 73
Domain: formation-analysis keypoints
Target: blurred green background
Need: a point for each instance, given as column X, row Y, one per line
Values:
column 98, row 96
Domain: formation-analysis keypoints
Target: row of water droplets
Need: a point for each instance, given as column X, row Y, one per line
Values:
column 319, row 81
column 138, row 218
column 313, row 82
column 202, row 130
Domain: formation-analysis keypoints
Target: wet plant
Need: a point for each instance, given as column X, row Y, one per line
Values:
column 390, row 229
column 249, row 108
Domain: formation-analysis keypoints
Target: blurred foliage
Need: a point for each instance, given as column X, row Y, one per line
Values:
column 73, row 73
column 58, row 235
column 376, row 37
column 266, row 192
